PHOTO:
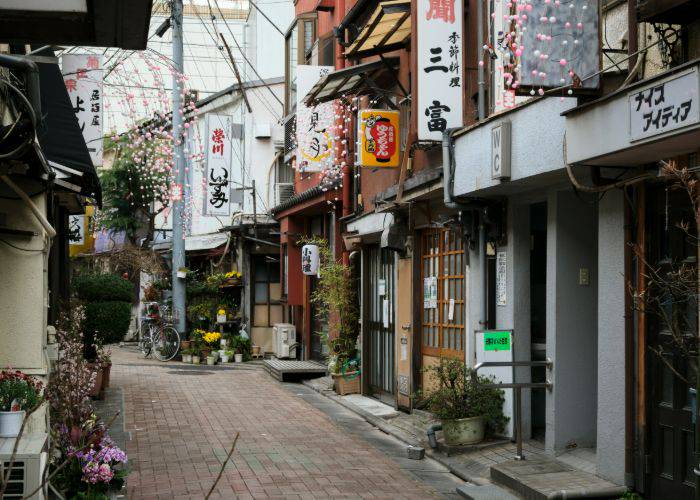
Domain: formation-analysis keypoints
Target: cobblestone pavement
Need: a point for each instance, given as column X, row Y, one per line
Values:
column 293, row 443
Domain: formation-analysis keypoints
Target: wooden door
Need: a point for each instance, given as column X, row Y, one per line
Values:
column 381, row 324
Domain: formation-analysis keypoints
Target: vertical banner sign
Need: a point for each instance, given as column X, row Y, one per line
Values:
column 501, row 279
column 76, row 229
column 440, row 75
column 314, row 140
column 82, row 74
column 217, row 194
column 379, row 135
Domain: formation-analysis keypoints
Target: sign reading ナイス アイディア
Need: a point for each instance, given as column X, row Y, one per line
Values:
column 440, row 75
column 379, row 136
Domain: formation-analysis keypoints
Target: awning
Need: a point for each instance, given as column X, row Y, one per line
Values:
column 354, row 80
column 196, row 243
column 60, row 136
column 388, row 29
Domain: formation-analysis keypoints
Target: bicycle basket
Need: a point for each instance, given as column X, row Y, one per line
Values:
column 166, row 314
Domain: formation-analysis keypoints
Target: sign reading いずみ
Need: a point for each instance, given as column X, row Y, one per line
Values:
column 217, row 196
column 440, row 75
column 379, row 135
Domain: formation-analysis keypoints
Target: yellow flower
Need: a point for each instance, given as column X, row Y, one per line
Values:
column 211, row 337
column 221, row 312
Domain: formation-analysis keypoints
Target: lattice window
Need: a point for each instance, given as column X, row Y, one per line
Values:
column 442, row 327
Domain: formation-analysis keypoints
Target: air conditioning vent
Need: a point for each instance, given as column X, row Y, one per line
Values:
column 290, row 134
column 30, row 462
column 283, row 191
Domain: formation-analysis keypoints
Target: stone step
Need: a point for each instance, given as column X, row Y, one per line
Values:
column 484, row 492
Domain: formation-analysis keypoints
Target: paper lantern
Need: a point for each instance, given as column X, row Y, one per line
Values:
column 310, row 260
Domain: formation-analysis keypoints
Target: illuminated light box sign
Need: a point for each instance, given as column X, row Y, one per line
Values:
column 379, row 138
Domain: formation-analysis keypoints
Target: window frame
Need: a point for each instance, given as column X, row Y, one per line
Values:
column 255, row 261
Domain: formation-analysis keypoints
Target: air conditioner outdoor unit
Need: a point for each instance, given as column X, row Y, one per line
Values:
column 283, row 191
column 277, row 134
column 27, row 470
column 284, row 337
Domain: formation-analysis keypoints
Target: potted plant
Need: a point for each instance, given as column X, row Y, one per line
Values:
column 104, row 359
column 185, row 344
column 196, row 357
column 241, row 347
column 186, row 356
column 19, row 393
column 255, row 350
column 224, row 357
column 182, row 272
column 347, row 379
column 211, row 359
column 467, row 408
column 227, row 357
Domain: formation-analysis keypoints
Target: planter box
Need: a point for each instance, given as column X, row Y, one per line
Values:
column 463, row 430
column 347, row 384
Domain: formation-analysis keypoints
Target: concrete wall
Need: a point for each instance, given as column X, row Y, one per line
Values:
column 611, row 338
column 23, row 315
column 572, row 342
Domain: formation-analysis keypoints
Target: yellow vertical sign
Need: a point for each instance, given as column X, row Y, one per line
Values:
column 379, row 138
column 80, row 238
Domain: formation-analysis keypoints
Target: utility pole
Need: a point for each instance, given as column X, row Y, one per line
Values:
column 178, row 251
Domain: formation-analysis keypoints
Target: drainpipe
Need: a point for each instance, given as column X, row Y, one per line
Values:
column 432, row 440
column 481, row 105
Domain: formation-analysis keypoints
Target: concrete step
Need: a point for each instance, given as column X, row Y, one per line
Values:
column 484, row 492
column 546, row 478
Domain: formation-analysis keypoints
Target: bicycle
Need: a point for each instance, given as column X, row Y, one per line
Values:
column 157, row 335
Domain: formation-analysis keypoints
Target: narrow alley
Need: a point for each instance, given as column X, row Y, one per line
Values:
column 294, row 443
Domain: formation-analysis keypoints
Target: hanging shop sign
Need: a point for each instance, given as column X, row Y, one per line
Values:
column 665, row 106
column 501, row 279
column 80, row 237
column 82, row 74
column 440, row 75
column 76, row 229
column 379, row 136
column 310, row 260
column 217, row 192
column 314, row 123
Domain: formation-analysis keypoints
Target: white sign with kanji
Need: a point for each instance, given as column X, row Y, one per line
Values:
column 440, row 72
column 218, row 181
column 314, row 123
column 82, row 74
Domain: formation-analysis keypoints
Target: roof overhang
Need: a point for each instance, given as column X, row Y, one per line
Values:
column 388, row 29
column 98, row 23
column 354, row 80
column 614, row 132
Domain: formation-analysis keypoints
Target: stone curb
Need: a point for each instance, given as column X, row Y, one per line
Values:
column 452, row 465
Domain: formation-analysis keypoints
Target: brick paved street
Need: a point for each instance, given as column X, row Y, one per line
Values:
column 294, row 443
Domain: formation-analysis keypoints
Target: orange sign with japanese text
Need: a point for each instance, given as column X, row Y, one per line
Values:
column 379, row 138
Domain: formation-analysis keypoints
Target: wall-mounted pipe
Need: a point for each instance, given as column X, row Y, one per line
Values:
column 430, row 432
column 481, row 100
column 50, row 231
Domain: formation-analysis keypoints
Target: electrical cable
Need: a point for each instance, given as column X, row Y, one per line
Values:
column 31, row 250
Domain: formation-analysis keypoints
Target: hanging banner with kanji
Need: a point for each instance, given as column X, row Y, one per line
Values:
column 218, row 175
column 82, row 74
column 440, row 72
column 314, row 138
column 379, row 138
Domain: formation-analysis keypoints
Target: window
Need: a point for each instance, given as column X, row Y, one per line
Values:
column 299, row 41
column 266, row 291
column 326, row 51
column 284, row 172
column 442, row 272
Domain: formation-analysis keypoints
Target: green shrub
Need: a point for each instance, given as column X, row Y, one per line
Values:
column 103, row 287
column 107, row 322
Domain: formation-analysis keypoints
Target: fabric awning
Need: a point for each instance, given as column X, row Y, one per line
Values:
column 60, row 136
column 388, row 29
column 354, row 80
column 195, row 243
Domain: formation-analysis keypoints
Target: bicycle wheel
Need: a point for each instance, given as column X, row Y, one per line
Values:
column 166, row 343
column 145, row 339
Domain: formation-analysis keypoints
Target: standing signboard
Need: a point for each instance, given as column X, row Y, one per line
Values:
column 440, row 75
column 217, row 193
column 379, row 136
column 314, row 123
column 82, row 74
column 497, row 345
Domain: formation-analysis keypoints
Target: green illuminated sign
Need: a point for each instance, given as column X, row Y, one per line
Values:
column 497, row 341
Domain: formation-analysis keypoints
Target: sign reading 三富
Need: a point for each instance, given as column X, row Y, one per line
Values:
column 217, row 192
column 379, row 136
column 440, row 75
column 497, row 340
column 314, row 138
column 82, row 74
column 667, row 105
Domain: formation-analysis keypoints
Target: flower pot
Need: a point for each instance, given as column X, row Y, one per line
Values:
column 224, row 358
column 205, row 352
column 182, row 273
column 106, row 370
column 238, row 358
column 211, row 360
column 348, row 383
column 221, row 318
column 255, row 350
column 222, row 353
column 195, row 360
column 463, row 430
column 185, row 344
column 97, row 385
column 10, row 423
column 186, row 358
column 224, row 343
